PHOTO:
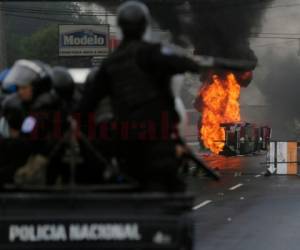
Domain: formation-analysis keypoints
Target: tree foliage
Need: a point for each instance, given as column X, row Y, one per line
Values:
column 32, row 34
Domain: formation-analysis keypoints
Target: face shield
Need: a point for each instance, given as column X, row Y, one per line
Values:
column 22, row 73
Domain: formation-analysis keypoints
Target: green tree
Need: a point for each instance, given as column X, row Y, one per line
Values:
column 32, row 30
column 41, row 45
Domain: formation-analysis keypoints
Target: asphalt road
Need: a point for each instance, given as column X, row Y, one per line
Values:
column 246, row 210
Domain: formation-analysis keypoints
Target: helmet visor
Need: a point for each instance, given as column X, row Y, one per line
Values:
column 19, row 75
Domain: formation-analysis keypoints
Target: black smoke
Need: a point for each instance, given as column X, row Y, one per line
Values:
column 281, row 88
column 215, row 27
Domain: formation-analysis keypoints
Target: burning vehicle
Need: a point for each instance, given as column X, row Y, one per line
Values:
column 244, row 138
column 220, row 127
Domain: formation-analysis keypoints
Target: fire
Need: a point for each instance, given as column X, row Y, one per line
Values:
column 220, row 104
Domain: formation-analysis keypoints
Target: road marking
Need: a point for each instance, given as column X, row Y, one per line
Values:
column 236, row 186
column 257, row 176
column 204, row 203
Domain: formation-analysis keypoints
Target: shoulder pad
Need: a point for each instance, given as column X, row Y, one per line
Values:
column 167, row 50
column 28, row 125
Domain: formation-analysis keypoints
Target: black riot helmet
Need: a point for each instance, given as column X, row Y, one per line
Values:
column 133, row 19
column 33, row 72
column 13, row 112
column 63, row 83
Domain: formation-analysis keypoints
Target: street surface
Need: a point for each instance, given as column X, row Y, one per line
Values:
column 246, row 210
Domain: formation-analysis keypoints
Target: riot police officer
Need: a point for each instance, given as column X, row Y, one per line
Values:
column 26, row 112
column 33, row 80
column 136, row 77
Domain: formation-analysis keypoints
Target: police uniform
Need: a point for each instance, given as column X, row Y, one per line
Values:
column 136, row 77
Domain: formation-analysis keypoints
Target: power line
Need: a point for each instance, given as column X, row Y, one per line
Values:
column 255, row 5
column 55, row 11
column 59, row 20
column 276, row 34
column 285, row 36
column 12, row 11
column 275, row 37
column 95, row 13
column 44, row 19
column 58, row 13
column 282, row 6
column 271, row 44
column 272, row 35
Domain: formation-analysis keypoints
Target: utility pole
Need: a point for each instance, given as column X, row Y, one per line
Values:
column 3, row 55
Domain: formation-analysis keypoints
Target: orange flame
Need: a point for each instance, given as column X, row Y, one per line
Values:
column 220, row 100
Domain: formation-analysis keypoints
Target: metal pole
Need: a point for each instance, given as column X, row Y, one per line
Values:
column 3, row 55
column 275, row 155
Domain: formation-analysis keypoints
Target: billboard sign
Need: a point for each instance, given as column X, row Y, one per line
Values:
column 83, row 40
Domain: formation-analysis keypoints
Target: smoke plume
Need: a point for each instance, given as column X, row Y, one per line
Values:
column 214, row 27
column 281, row 89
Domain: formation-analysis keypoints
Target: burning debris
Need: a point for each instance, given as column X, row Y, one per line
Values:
column 219, row 97
column 220, row 29
column 220, row 129
column 245, row 138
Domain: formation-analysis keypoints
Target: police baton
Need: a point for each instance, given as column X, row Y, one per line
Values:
column 200, row 164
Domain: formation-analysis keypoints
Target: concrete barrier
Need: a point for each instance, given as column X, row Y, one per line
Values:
column 282, row 158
